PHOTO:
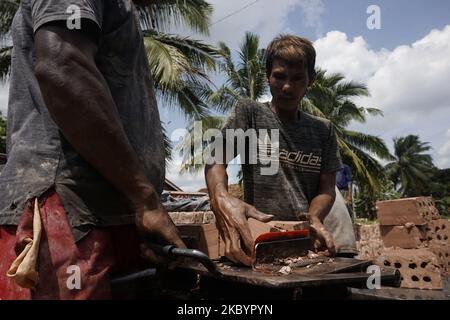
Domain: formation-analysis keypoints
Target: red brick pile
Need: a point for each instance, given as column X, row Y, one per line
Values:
column 415, row 240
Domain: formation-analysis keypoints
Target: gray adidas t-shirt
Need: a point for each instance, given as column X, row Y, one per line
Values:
column 307, row 147
column 39, row 158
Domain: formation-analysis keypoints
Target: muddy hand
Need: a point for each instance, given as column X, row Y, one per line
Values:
column 231, row 216
column 322, row 239
column 155, row 225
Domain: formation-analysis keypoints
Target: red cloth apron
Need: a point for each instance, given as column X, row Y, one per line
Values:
column 101, row 253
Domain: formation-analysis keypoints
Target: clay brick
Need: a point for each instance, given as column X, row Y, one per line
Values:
column 367, row 232
column 289, row 225
column 398, row 212
column 369, row 249
column 423, row 233
column 419, row 268
column 192, row 217
column 364, row 249
column 401, row 237
column 442, row 252
column 203, row 237
column 438, row 230
column 257, row 228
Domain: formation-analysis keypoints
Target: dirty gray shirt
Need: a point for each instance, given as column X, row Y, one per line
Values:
column 307, row 147
column 39, row 157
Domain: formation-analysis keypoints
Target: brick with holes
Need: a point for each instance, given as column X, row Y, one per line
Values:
column 369, row 249
column 401, row 237
column 438, row 230
column 419, row 268
column 442, row 252
column 418, row 210
column 204, row 237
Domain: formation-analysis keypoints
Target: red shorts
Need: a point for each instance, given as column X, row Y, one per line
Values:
column 102, row 253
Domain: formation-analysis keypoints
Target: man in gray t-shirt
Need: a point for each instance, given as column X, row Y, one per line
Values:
column 84, row 138
column 304, row 184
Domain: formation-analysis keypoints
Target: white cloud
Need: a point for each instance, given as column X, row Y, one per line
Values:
column 409, row 83
column 263, row 18
column 4, row 91
column 336, row 53
column 444, row 152
column 312, row 13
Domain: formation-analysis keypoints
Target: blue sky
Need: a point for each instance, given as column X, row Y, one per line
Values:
column 406, row 64
column 403, row 21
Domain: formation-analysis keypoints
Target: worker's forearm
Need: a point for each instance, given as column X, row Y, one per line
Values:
column 321, row 205
column 216, row 180
column 81, row 105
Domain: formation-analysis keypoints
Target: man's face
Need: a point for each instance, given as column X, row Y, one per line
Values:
column 288, row 84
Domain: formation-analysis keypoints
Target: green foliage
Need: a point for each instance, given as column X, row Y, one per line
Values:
column 411, row 170
column 330, row 97
column 439, row 188
column 2, row 134
column 245, row 78
column 365, row 201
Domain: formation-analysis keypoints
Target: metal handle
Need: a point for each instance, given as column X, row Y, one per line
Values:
column 173, row 251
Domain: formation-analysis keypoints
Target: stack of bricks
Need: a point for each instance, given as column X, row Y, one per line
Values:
column 198, row 231
column 416, row 241
column 419, row 268
column 192, row 217
column 368, row 241
column 437, row 237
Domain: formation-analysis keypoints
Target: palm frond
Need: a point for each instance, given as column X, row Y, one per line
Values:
column 223, row 99
column 361, row 172
column 373, row 144
column 351, row 89
column 374, row 112
column 8, row 9
column 193, row 149
column 307, row 106
column 200, row 55
column 5, row 62
column 189, row 98
column 411, row 168
column 163, row 14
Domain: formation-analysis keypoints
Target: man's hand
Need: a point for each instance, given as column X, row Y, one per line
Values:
column 231, row 215
column 322, row 239
column 154, row 225
column 319, row 208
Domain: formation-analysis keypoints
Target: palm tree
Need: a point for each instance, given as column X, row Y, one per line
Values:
column 411, row 168
column 7, row 10
column 2, row 134
column 330, row 98
column 179, row 65
column 245, row 78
